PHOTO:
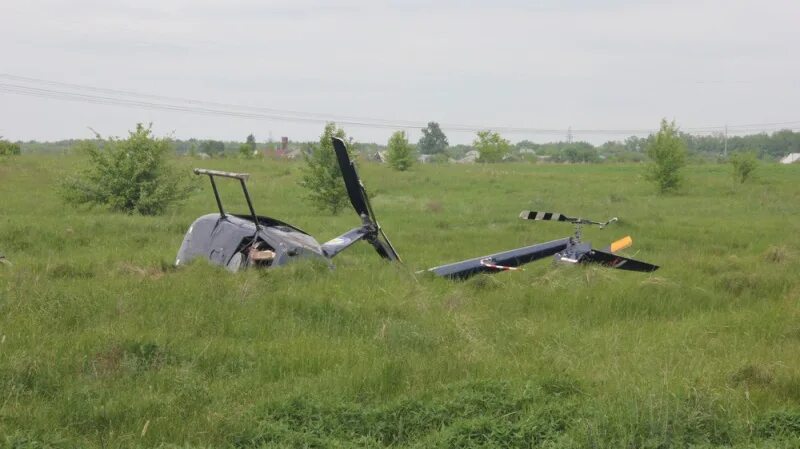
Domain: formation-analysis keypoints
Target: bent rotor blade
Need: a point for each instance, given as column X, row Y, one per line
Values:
column 391, row 253
column 548, row 216
column 351, row 180
column 385, row 248
column 615, row 261
column 359, row 200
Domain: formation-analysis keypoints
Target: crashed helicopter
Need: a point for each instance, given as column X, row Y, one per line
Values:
column 236, row 241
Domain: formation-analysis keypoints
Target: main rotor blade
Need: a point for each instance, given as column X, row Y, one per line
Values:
column 351, row 180
column 389, row 248
column 554, row 216
column 549, row 216
column 615, row 261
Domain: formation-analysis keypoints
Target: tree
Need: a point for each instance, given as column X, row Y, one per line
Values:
column 245, row 152
column 212, row 147
column 491, row 146
column 9, row 148
column 400, row 153
column 251, row 142
column 322, row 176
column 433, row 140
column 744, row 165
column 668, row 153
column 580, row 152
column 128, row 175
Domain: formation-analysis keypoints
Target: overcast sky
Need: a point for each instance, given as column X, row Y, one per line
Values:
column 612, row 64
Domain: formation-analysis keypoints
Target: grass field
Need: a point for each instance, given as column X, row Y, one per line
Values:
column 104, row 344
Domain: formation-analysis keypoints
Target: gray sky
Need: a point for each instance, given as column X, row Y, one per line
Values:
column 613, row 64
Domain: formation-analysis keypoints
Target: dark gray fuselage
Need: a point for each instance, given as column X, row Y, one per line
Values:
column 222, row 241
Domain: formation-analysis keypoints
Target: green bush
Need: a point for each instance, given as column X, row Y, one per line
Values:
column 9, row 148
column 128, row 175
column 400, row 153
column 322, row 176
column 668, row 153
column 744, row 165
column 491, row 146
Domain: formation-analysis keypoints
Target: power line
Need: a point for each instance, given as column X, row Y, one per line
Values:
column 240, row 111
column 116, row 97
column 133, row 94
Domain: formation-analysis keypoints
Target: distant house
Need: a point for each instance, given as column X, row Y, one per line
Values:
column 294, row 153
column 425, row 158
column 470, row 158
column 380, row 156
column 791, row 158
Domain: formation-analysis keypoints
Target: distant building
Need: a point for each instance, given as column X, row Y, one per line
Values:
column 294, row 153
column 791, row 158
column 380, row 156
column 470, row 157
column 424, row 158
column 283, row 150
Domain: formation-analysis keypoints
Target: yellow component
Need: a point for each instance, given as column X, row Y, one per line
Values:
column 622, row 243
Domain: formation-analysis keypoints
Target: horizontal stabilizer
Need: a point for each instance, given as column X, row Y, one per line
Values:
column 615, row 261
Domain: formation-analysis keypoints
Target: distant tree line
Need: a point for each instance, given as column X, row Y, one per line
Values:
column 435, row 146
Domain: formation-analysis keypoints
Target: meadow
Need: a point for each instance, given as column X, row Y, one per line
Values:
column 103, row 343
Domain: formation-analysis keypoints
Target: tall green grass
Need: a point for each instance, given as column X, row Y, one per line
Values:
column 104, row 344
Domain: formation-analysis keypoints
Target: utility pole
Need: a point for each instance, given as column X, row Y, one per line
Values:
column 725, row 139
column 569, row 135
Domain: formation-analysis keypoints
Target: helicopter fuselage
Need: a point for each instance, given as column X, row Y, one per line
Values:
column 230, row 240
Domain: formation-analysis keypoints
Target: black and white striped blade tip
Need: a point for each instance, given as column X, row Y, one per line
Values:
column 542, row 216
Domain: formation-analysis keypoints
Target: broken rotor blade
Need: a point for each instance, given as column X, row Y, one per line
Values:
column 360, row 201
column 391, row 253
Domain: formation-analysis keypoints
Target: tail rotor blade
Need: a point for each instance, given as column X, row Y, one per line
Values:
column 351, row 180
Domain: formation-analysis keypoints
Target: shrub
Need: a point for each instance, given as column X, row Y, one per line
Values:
column 245, row 152
column 322, row 176
column 744, row 165
column 400, row 153
column 128, row 175
column 668, row 153
column 9, row 148
column 491, row 146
